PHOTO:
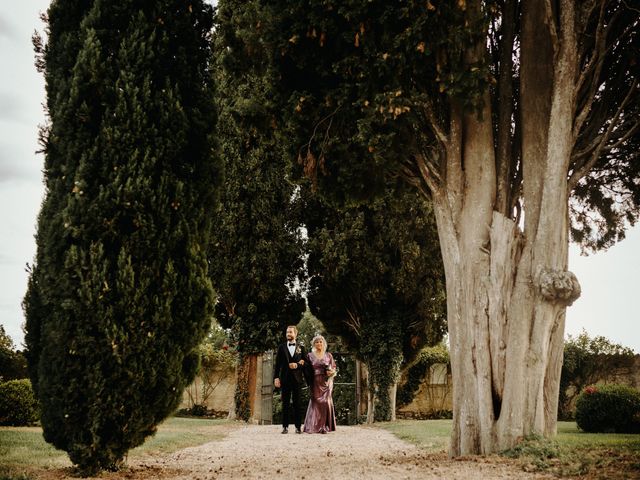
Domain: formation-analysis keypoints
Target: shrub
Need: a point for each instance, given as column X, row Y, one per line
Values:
column 608, row 408
column 13, row 365
column 119, row 296
column 18, row 405
column 586, row 361
column 198, row 410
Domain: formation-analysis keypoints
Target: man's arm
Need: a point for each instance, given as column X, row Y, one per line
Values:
column 277, row 369
column 300, row 363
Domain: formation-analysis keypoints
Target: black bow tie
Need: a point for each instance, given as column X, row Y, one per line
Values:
column 292, row 344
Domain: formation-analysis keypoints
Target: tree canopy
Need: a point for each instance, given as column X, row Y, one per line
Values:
column 12, row 362
column 367, row 90
column 376, row 279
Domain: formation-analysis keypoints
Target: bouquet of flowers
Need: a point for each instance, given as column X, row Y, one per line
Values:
column 329, row 372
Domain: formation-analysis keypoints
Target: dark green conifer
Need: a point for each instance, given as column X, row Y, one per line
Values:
column 119, row 295
column 256, row 253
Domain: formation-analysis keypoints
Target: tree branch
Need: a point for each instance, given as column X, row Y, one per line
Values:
column 434, row 124
column 553, row 31
column 578, row 173
column 353, row 322
column 632, row 130
column 505, row 107
column 593, row 69
column 428, row 172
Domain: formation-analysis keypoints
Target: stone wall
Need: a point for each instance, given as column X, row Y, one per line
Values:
column 629, row 376
column 434, row 395
column 221, row 400
column 627, row 373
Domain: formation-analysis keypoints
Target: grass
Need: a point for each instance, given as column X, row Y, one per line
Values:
column 24, row 447
column 570, row 453
column 430, row 435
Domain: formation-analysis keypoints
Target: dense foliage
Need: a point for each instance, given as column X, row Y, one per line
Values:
column 13, row 364
column 308, row 327
column 367, row 89
column 18, row 404
column 376, row 280
column 119, row 296
column 608, row 408
column 586, row 361
column 359, row 78
column 256, row 248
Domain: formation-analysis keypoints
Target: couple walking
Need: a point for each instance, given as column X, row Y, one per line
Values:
column 293, row 366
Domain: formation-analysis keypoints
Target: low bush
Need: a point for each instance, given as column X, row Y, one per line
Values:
column 608, row 408
column 18, row 405
column 426, row 415
column 199, row 410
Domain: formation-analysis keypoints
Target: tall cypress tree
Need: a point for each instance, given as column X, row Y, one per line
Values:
column 119, row 296
column 256, row 253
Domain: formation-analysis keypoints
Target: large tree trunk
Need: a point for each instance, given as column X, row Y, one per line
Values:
column 393, row 390
column 507, row 293
column 507, row 290
column 506, row 306
column 371, row 404
column 245, row 386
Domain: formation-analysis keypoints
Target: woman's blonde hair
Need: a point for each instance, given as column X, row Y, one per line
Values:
column 324, row 342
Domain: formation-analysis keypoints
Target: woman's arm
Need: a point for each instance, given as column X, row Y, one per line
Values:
column 307, row 369
column 332, row 365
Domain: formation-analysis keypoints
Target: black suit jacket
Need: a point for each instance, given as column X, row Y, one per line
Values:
column 289, row 377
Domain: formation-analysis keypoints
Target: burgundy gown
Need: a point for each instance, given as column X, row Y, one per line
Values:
column 321, row 415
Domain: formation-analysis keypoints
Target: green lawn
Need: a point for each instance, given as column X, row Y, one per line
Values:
column 22, row 447
column 431, row 435
column 571, row 453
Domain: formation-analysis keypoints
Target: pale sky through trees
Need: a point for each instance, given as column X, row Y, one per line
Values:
column 608, row 305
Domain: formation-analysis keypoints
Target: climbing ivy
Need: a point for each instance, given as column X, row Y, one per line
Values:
column 415, row 375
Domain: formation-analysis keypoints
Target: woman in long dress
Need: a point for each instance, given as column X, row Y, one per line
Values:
column 321, row 414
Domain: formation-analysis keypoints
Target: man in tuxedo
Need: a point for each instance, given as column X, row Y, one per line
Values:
column 288, row 376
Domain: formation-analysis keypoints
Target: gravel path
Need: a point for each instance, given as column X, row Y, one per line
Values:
column 262, row 452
